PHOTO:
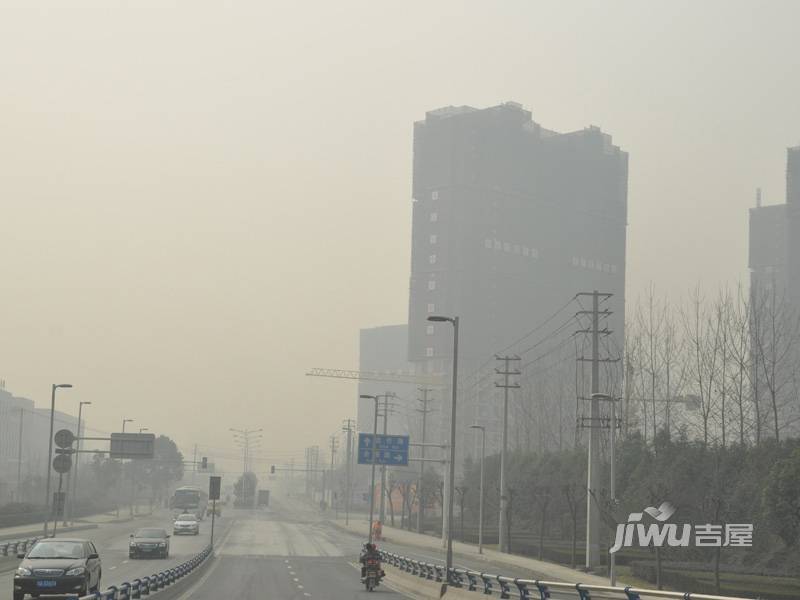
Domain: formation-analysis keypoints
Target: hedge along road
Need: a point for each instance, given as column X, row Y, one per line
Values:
column 112, row 543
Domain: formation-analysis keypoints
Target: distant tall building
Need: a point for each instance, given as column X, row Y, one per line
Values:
column 775, row 240
column 24, row 433
column 793, row 215
column 385, row 350
column 510, row 221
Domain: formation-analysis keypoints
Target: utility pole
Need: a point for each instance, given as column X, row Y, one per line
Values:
column 349, row 427
column 19, row 454
column 382, row 512
column 506, row 372
column 424, row 411
column 593, row 471
column 334, row 445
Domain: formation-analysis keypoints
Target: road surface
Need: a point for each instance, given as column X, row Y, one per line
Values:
column 112, row 541
column 281, row 553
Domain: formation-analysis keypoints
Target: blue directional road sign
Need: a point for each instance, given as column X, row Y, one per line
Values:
column 391, row 450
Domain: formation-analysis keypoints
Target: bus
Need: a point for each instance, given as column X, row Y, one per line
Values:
column 189, row 499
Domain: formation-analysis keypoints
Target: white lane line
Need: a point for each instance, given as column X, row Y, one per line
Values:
column 306, row 594
column 292, row 573
column 295, row 579
column 299, row 587
column 112, row 568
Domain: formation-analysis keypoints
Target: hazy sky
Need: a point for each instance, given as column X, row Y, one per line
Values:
column 200, row 200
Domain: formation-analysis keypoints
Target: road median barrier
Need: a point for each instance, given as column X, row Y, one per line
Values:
column 167, row 583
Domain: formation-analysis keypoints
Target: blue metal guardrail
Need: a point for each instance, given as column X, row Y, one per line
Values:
column 11, row 548
column 530, row 589
column 147, row 585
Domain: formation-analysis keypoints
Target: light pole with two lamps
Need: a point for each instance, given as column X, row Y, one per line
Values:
column 47, row 504
column 452, row 473
column 374, row 454
column 480, row 503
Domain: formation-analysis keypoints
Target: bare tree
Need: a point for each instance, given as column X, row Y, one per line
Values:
column 703, row 339
column 775, row 339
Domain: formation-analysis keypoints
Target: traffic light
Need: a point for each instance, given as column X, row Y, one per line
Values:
column 272, row 469
column 204, row 463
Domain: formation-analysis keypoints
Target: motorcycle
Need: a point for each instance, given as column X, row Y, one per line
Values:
column 372, row 576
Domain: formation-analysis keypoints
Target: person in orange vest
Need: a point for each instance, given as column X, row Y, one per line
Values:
column 377, row 530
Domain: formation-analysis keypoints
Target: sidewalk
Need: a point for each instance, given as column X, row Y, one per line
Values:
column 545, row 571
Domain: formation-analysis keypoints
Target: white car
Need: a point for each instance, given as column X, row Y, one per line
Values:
column 186, row 523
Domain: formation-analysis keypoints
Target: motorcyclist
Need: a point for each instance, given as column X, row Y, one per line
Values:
column 369, row 552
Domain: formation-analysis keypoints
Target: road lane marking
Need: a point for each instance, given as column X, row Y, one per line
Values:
column 211, row 567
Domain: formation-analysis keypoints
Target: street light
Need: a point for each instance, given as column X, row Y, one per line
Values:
column 452, row 474
column 124, row 421
column 374, row 454
column 77, row 460
column 141, row 429
column 50, row 451
column 480, row 505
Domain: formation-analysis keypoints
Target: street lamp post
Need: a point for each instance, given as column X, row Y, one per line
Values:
column 374, row 454
column 50, row 452
column 124, row 421
column 480, row 504
column 452, row 474
column 77, row 460
column 141, row 429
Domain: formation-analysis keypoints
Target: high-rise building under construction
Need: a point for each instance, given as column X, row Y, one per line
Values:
column 510, row 221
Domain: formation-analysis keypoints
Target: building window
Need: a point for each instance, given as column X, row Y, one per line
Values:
column 606, row 268
column 598, row 265
column 487, row 243
column 526, row 251
column 433, row 238
column 497, row 245
column 576, row 261
column 435, row 195
column 429, row 351
column 434, row 217
column 613, row 268
column 431, row 307
column 429, row 330
column 583, row 262
column 534, row 253
column 506, row 247
column 432, row 259
column 590, row 264
column 516, row 249
column 431, row 285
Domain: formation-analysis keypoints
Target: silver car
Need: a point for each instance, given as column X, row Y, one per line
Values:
column 186, row 523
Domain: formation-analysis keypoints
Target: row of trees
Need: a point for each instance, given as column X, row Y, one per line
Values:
column 726, row 366
column 708, row 484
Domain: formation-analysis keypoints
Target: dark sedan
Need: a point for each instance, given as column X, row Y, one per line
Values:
column 58, row 566
column 149, row 542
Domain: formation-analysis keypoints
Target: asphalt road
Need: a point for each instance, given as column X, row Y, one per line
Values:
column 284, row 552
column 112, row 541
